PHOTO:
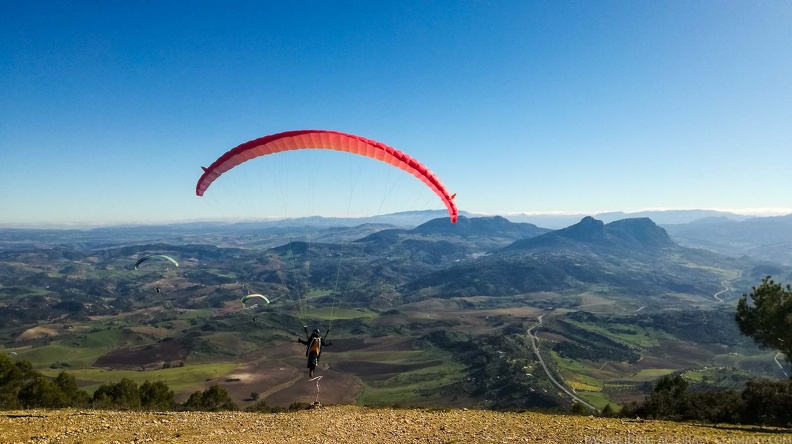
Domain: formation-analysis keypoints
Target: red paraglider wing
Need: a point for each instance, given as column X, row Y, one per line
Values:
column 329, row 140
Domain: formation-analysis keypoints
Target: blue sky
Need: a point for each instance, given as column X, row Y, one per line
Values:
column 108, row 109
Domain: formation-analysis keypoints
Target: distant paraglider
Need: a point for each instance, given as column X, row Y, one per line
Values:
column 256, row 297
column 260, row 298
column 156, row 267
column 146, row 258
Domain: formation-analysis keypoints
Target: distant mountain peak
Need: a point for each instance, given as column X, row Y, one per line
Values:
column 587, row 230
column 496, row 226
column 640, row 233
column 641, row 230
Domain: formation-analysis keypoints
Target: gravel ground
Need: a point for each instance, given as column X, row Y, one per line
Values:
column 353, row 425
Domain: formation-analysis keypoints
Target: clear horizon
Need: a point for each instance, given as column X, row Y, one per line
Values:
column 108, row 111
column 762, row 212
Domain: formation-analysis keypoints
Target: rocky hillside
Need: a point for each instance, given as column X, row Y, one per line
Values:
column 358, row 425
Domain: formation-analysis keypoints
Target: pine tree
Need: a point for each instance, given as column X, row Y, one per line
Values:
column 13, row 376
column 156, row 396
column 768, row 317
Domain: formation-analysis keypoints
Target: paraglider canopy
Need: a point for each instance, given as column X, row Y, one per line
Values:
column 330, row 140
column 254, row 296
column 145, row 258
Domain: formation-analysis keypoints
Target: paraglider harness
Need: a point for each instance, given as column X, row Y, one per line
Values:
column 314, row 350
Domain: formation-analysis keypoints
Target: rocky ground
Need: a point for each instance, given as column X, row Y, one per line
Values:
column 352, row 425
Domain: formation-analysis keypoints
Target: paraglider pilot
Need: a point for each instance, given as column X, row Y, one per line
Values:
column 313, row 352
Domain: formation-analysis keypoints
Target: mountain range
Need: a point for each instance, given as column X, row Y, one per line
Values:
column 476, row 256
column 659, row 216
column 766, row 239
column 630, row 256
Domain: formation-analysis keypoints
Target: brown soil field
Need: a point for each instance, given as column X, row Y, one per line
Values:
column 225, row 339
column 145, row 355
column 155, row 332
column 38, row 332
column 516, row 312
column 349, row 424
column 147, row 310
column 617, row 368
column 348, row 344
column 555, row 337
column 339, row 388
column 254, row 376
column 421, row 308
column 687, row 351
column 655, row 362
column 371, row 344
column 365, row 369
column 52, row 330
column 280, row 377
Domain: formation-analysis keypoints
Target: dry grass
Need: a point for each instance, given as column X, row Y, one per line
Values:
column 347, row 424
column 38, row 332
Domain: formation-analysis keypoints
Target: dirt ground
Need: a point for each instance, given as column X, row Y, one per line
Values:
column 281, row 378
column 281, row 383
column 347, row 424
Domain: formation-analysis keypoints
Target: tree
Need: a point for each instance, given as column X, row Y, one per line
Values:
column 713, row 406
column 768, row 317
column 669, row 398
column 767, row 402
column 13, row 376
column 193, row 402
column 213, row 399
column 156, row 396
column 42, row 393
column 73, row 395
column 216, row 398
column 123, row 394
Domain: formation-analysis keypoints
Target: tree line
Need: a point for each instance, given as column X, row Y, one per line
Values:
column 21, row 387
column 761, row 402
column 764, row 315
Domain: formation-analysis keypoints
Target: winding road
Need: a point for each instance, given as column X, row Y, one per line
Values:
column 726, row 287
column 775, row 358
column 534, row 341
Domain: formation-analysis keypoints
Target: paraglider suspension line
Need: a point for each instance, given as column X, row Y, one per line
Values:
column 317, row 379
